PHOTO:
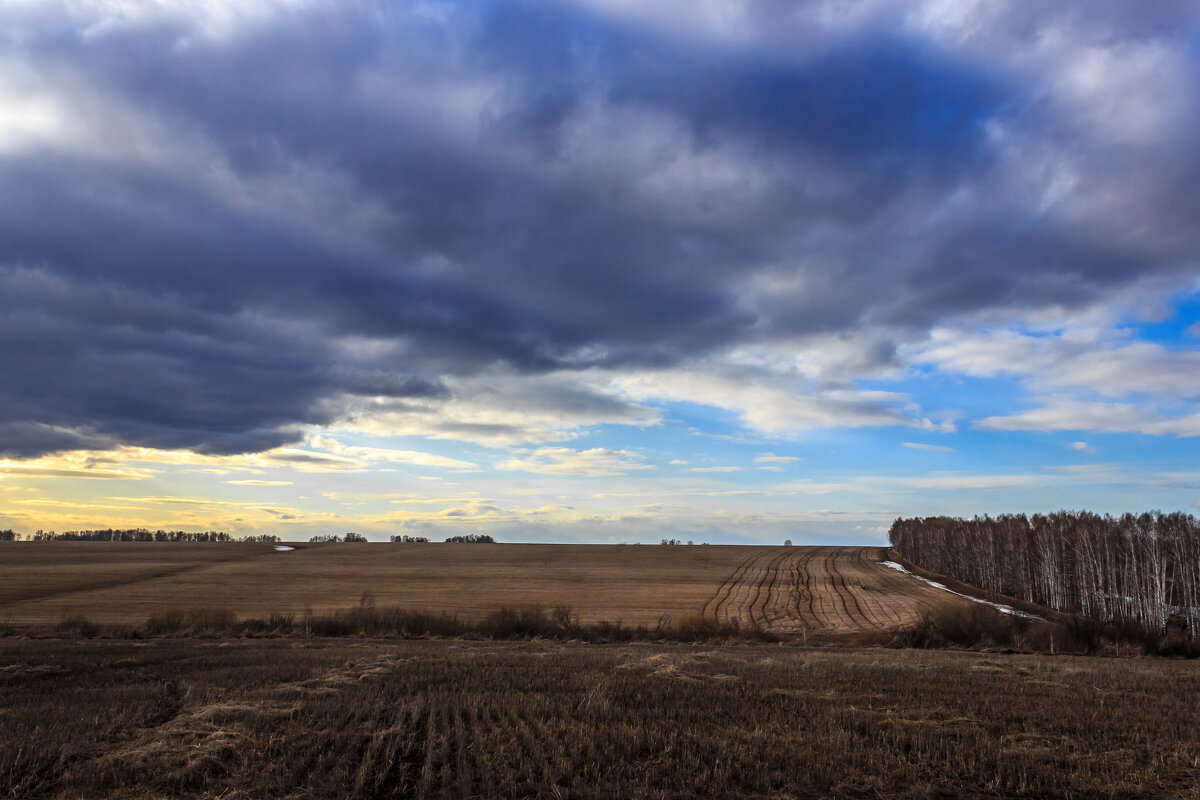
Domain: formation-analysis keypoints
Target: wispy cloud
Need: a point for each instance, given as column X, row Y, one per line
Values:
column 564, row 461
column 1066, row 414
column 771, row 458
column 931, row 448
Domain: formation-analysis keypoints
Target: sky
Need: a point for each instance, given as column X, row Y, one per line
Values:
column 596, row 270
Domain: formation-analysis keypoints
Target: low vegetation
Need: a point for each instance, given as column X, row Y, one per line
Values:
column 982, row 628
column 368, row 619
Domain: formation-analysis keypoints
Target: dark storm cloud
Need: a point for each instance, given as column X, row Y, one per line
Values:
column 479, row 190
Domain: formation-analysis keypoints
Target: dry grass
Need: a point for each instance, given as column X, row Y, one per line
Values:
column 370, row 719
column 792, row 590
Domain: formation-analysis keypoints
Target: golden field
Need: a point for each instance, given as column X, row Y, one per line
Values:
column 783, row 590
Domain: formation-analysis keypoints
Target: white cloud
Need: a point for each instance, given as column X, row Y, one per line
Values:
column 935, row 481
column 78, row 464
column 715, row 469
column 425, row 501
column 378, row 454
column 1067, row 414
column 39, row 502
column 259, row 483
column 1067, row 360
column 767, row 402
column 1066, row 363
column 564, row 461
column 805, row 486
column 170, row 500
column 771, row 458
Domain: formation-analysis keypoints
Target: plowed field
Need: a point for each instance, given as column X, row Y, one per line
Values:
column 794, row 590
column 783, row 590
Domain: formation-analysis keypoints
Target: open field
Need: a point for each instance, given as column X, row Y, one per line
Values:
column 373, row 719
column 783, row 590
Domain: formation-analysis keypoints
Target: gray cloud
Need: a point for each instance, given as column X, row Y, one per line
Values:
column 211, row 235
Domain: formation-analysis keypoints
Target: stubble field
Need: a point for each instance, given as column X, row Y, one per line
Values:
column 781, row 590
column 321, row 718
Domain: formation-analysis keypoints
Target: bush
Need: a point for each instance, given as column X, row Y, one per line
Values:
column 975, row 625
column 209, row 621
column 75, row 625
column 518, row 623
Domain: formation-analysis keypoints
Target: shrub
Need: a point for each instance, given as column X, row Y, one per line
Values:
column 974, row 625
column 76, row 625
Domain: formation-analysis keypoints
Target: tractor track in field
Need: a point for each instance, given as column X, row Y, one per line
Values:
column 847, row 597
column 825, row 590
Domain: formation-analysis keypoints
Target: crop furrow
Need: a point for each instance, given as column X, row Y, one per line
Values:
column 771, row 577
column 857, row 617
column 721, row 596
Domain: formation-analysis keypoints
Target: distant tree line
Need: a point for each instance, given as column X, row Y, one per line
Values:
column 1130, row 569
column 472, row 538
column 144, row 535
column 134, row 535
column 131, row 535
column 333, row 538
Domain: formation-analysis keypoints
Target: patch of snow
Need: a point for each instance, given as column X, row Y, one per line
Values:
column 283, row 547
column 1003, row 609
